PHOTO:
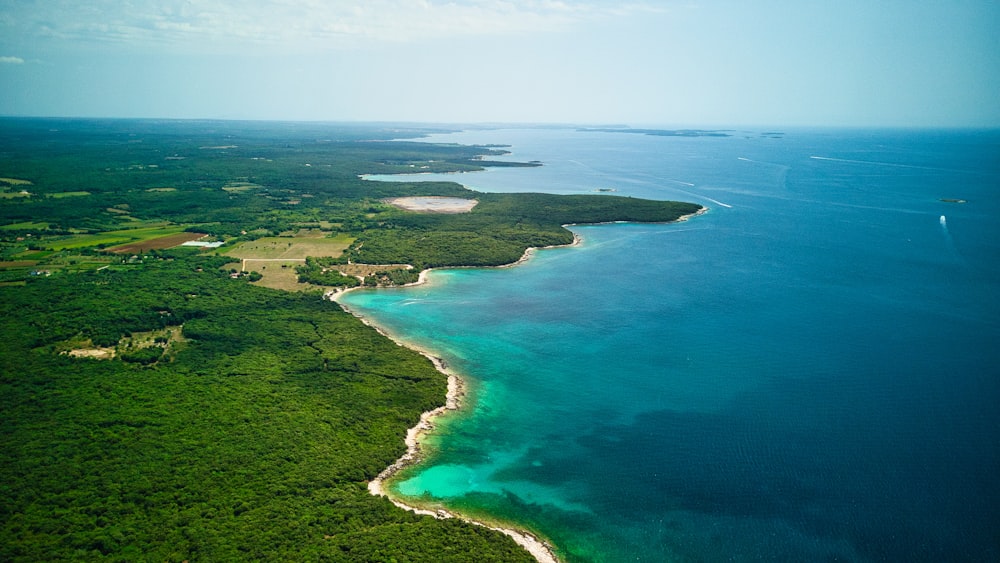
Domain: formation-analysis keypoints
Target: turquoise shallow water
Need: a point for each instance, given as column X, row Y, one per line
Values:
column 809, row 371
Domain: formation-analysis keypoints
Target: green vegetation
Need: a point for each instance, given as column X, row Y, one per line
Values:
column 26, row 225
column 298, row 246
column 250, row 440
column 322, row 271
column 499, row 229
column 109, row 238
column 14, row 182
column 160, row 404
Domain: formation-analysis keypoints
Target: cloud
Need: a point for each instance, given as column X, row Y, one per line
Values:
column 298, row 24
column 11, row 60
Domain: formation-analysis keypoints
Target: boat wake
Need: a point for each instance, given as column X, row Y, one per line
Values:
column 870, row 162
column 717, row 202
column 657, row 181
column 681, row 183
column 950, row 243
column 894, row 165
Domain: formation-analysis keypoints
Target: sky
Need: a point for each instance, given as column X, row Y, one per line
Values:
column 699, row 63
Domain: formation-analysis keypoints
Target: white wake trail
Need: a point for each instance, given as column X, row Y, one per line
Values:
column 717, row 202
column 897, row 165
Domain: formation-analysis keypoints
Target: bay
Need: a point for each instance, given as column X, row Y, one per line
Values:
column 808, row 371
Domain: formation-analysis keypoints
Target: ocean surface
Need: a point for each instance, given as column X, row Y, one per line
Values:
column 808, row 372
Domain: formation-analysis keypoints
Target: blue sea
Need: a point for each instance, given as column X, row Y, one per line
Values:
column 807, row 372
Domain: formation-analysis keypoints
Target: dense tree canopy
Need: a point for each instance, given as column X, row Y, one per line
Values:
column 250, row 438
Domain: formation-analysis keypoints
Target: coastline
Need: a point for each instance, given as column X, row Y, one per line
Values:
column 539, row 548
column 683, row 218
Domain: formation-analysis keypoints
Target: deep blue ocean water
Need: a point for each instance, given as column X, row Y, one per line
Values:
column 807, row 372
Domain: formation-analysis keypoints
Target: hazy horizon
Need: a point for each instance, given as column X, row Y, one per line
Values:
column 454, row 126
column 702, row 64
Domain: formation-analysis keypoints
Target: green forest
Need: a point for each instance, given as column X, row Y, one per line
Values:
column 159, row 407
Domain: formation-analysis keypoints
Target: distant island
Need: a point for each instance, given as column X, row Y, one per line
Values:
column 663, row 132
column 172, row 401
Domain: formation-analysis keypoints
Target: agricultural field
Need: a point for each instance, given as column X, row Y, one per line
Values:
column 120, row 239
column 303, row 244
column 156, row 243
column 275, row 273
column 275, row 258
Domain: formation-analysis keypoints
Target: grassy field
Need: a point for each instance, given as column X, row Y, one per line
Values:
column 278, row 274
column 237, row 187
column 58, row 195
column 15, row 181
column 27, row 225
column 275, row 258
column 296, row 247
column 33, row 255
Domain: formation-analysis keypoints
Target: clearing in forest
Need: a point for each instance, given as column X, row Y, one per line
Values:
column 168, row 241
column 275, row 258
column 294, row 247
column 433, row 204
